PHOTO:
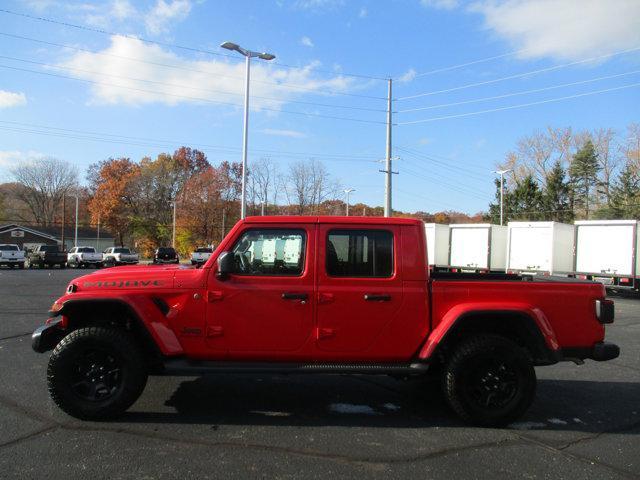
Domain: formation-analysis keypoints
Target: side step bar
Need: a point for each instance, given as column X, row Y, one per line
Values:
column 183, row 367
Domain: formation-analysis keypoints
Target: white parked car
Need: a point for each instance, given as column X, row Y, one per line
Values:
column 201, row 255
column 11, row 255
column 83, row 257
column 113, row 256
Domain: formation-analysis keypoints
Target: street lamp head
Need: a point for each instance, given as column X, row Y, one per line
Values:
column 502, row 172
column 231, row 46
column 266, row 56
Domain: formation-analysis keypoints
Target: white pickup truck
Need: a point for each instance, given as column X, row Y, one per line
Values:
column 83, row 257
column 11, row 255
column 201, row 255
column 114, row 256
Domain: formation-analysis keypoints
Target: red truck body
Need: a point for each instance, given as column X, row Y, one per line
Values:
column 404, row 318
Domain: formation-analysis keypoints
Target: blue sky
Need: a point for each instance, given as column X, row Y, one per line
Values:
column 111, row 96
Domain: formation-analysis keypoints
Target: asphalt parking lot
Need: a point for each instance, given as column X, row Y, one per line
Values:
column 585, row 422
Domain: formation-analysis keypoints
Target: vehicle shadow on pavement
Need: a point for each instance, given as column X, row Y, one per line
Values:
column 316, row 400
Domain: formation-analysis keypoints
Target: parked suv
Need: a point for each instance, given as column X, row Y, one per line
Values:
column 11, row 256
column 83, row 257
column 201, row 255
column 166, row 255
column 114, row 256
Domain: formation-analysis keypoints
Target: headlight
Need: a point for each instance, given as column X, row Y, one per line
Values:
column 56, row 307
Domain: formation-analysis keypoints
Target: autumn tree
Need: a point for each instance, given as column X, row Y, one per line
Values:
column 113, row 195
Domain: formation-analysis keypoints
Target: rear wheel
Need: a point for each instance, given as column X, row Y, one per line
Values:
column 489, row 380
column 96, row 373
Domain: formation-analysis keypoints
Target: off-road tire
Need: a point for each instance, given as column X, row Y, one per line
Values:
column 120, row 345
column 464, row 383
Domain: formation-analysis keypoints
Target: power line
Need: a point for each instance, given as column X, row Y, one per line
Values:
column 466, row 64
column 431, row 158
column 197, row 99
column 415, row 195
column 142, row 141
column 513, row 94
column 440, row 181
column 520, row 75
column 511, row 107
column 167, row 44
column 188, row 86
column 286, row 86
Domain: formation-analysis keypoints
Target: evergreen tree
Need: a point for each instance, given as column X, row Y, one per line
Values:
column 556, row 198
column 526, row 201
column 625, row 194
column 583, row 174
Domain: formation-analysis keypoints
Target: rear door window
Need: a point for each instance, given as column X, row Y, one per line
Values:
column 359, row 253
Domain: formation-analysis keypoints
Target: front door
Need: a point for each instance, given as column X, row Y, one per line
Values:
column 264, row 309
column 359, row 288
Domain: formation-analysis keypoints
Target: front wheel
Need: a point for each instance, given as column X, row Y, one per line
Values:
column 96, row 373
column 489, row 381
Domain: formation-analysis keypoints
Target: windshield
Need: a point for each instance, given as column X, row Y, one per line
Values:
column 49, row 248
column 203, row 250
column 86, row 250
column 121, row 250
column 164, row 250
column 8, row 248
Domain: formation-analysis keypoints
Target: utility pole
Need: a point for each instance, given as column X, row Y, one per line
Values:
column 98, row 235
column 224, row 218
column 388, row 172
column 75, row 238
column 501, row 173
column 262, row 208
column 347, row 193
column 63, row 221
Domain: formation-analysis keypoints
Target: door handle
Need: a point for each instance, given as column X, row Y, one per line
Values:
column 377, row 297
column 295, row 296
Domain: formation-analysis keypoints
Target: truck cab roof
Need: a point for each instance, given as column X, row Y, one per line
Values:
column 335, row 219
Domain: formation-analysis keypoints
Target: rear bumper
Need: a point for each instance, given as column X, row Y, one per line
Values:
column 600, row 352
column 46, row 337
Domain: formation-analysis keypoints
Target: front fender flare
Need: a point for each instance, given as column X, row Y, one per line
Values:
column 141, row 309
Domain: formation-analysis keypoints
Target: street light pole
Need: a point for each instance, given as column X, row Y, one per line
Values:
column 501, row 173
column 98, row 235
column 347, row 193
column 248, row 54
column 75, row 237
column 173, row 236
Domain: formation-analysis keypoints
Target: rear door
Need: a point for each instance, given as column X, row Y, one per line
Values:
column 359, row 287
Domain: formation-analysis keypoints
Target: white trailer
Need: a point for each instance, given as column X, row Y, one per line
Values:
column 437, row 245
column 540, row 248
column 478, row 247
column 606, row 251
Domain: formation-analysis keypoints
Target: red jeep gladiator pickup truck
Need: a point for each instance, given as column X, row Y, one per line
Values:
column 319, row 295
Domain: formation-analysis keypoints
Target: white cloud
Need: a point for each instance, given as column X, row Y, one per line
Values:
column 363, row 12
column 10, row 159
column 164, row 13
column 318, row 5
column 11, row 99
column 283, row 133
column 123, row 10
column 441, row 4
column 408, row 76
column 567, row 29
column 306, row 41
column 205, row 81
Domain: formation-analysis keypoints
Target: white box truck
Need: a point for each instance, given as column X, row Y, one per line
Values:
column 540, row 248
column 606, row 251
column 437, row 245
column 478, row 247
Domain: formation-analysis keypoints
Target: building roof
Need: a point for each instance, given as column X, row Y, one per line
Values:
column 55, row 233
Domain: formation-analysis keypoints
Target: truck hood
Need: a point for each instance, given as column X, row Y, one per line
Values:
column 136, row 277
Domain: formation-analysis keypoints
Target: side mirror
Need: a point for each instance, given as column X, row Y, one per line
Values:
column 225, row 265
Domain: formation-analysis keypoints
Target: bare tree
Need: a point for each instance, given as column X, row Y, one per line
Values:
column 263, row 177
column 308, row 185
column 45, row 181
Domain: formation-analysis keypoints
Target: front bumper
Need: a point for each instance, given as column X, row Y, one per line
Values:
column 46, row 337
column 600, row 352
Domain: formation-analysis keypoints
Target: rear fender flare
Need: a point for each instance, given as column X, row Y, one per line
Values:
column 461, row 313
column 151, row 321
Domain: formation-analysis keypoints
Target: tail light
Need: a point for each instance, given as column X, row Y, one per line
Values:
column 582, row 277
column 454, row 270
column 605, row 311
column 626, row 281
